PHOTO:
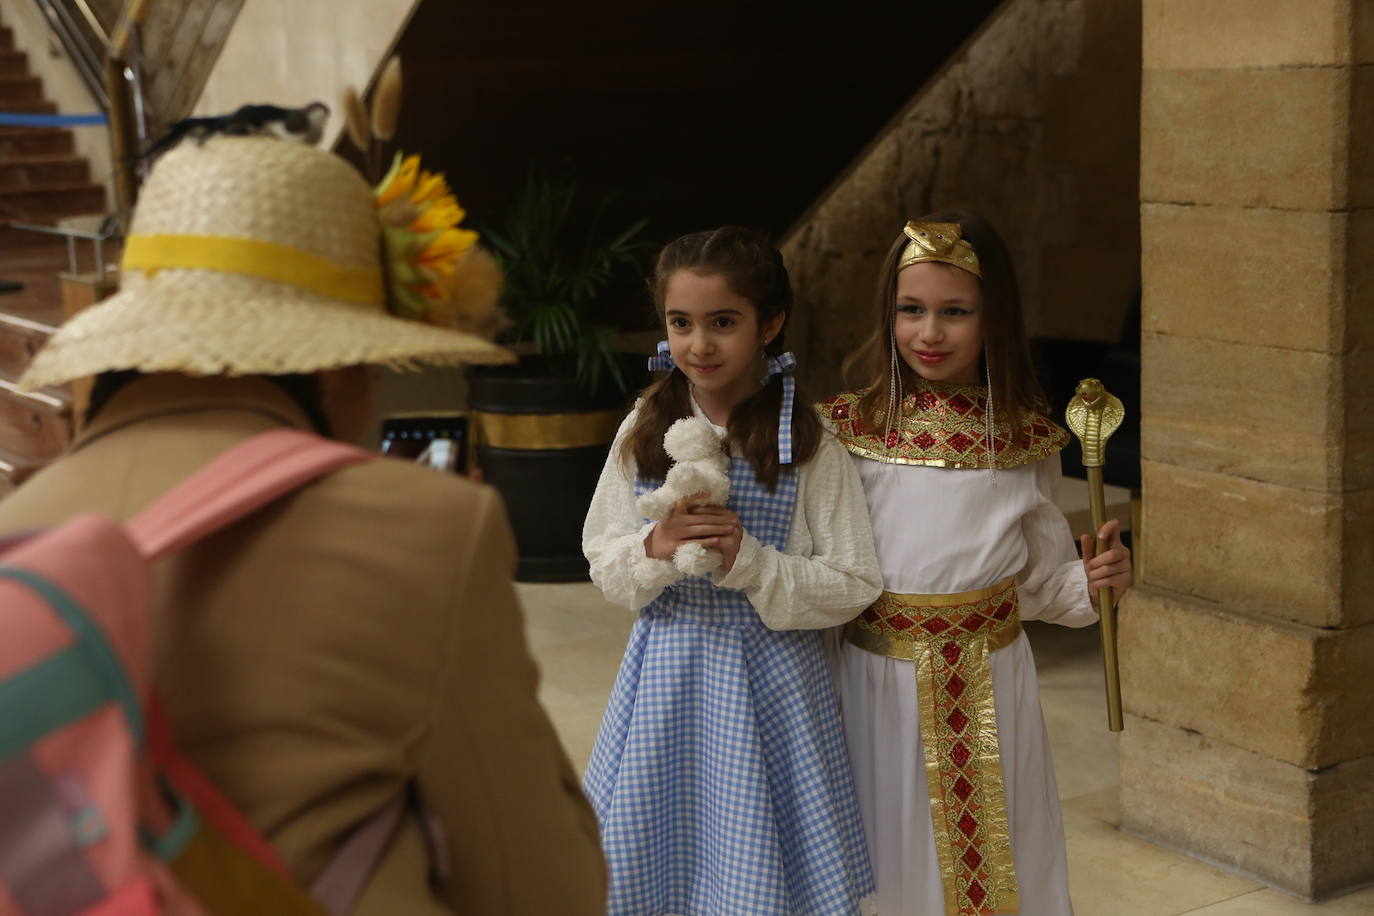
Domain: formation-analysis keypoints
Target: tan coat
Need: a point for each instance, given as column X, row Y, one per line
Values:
column 358, row 634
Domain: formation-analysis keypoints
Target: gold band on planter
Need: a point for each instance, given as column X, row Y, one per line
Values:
column 950, row 637
column 547, row 430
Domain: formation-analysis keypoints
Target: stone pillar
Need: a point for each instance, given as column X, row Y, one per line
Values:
column 1248, row 649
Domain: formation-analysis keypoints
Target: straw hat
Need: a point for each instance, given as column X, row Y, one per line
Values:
column 247, row 256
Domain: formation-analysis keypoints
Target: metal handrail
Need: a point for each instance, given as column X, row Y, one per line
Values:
column 108, row 232
column 85, row 46
column 93, row 21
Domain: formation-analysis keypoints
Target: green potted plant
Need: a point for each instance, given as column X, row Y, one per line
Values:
column 543, row 426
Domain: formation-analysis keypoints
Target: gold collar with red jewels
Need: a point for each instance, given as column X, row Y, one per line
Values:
column 943, row 425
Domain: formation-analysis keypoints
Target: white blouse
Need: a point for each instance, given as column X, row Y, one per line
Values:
column 940, row 531
column 826, row 574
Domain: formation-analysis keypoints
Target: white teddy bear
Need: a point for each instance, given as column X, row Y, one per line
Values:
column 701, row 469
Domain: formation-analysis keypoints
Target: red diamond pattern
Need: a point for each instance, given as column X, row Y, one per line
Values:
column 927, row 400
column 960, row 442
column 968, row 824
column 960, row 404
column 900, row 622
column 951, row 652
column 972, row 858
column 1004, row 610
column 960, row 755
column 955, row 685
column 925, row 440
column 957, row 721
column 840, row 412
column 976, row 893
column 963, row 788
column 936, row 625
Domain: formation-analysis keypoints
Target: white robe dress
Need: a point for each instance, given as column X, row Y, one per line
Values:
column 941, row 531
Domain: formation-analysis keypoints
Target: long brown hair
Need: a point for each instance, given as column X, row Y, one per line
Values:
column 754, row 269
column 1015, row 389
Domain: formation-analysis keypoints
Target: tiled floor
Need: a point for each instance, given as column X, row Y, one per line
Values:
column 578, row 639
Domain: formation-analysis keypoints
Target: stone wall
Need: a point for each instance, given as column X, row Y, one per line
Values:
column 1035, row 123
column 1247, row 650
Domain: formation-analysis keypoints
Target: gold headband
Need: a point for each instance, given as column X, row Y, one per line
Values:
column 938, row 242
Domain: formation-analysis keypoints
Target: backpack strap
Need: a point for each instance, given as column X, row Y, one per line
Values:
column 243, row 479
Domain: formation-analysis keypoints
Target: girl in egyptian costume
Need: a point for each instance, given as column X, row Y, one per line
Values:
column 936, row 678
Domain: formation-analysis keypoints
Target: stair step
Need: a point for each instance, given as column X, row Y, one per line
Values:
column 23, row 141
column 20, row 339
column 14, row 62
column 30, row 106
column 43, row 169
column 39, row 202
column 19, row 88
column 37, row 267
column 35, row 426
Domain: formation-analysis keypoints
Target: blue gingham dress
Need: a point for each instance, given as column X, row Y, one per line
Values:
column 720, row 777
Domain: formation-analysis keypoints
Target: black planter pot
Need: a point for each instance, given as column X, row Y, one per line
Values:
column 541, row 442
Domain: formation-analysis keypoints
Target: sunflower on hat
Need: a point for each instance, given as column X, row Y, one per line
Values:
column 436, row 270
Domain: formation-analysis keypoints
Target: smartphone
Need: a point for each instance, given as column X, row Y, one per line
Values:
column 436, row 440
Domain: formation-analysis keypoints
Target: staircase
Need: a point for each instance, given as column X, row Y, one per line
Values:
column 42, row 180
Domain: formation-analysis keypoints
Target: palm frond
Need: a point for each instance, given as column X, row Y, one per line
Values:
column 555, row 273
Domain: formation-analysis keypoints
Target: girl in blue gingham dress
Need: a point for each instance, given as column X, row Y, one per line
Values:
column 719, row 775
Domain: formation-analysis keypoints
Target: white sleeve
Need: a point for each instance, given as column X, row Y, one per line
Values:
column 613, row 537
column 1053, row 586
column 839, row 576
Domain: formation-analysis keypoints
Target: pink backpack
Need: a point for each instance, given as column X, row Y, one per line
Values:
column 99, row 813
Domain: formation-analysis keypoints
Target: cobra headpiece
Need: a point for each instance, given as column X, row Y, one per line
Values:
column 938, row 242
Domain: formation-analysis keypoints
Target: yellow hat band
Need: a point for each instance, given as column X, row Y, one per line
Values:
column 254, row 258
column 938, row 242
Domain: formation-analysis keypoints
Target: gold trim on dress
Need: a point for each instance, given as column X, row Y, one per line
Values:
column 899, row 647
column 943, row 425
column 950, row 637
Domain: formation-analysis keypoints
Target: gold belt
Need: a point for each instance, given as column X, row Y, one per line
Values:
column 949, row 637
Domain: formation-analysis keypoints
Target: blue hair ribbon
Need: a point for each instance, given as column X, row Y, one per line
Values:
column 783, row 365
column 663, row 362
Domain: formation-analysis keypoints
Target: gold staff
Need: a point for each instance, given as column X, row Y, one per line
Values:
column 1094, row 414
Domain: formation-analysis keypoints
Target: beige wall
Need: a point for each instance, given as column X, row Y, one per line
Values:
column 292, row 52
column 1035, row 123
column 61, row 82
